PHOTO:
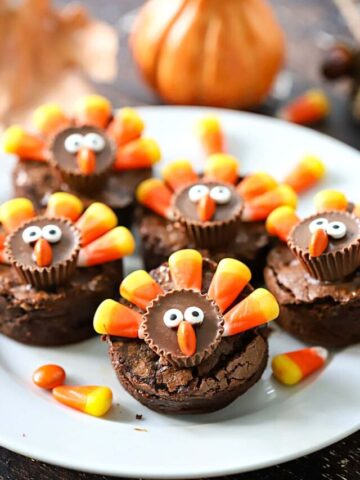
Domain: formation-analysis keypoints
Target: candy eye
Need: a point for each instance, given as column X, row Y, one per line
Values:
column 194, row 315
column 94, row 141
column 74, row 142
column 197, row 192
column 221, row 195
column 317, row 224
column 51, row 233
column 336, row 230
column 173, row 317
column 31, row 234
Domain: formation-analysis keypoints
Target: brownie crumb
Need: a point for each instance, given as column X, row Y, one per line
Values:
column 140, row 429
column 139, row 416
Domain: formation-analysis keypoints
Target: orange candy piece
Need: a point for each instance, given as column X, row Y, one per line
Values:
column 155, row 195
column 260, row 207
column 113, row 318
column 43, row 253
column 206, row 208
column 221, row 167
column 140, row 288
column 86, row 160
column 306, row 109
column 15, row 212
column 186, row 338
column 258, row 308
column 113, row 245
column 319, row 242
column 330, row 200
column 229, row 280
column 140, row 153
column 25, row 145
column 97, row 219
column 93, row 110
column 280, row 222
column 256, row 184
column 65, row 205
column 178, row 174
column 357, row 210
column 49, row 376
column 126, row 126
column 292, row 367
column 211, row 135
column 49, row 119
column 93, row 400
column 186, row 269
column 306, row 174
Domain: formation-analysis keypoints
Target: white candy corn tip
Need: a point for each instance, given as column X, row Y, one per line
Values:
column 322, row 352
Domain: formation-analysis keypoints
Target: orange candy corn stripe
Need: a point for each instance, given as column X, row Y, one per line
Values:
column 186, row 339
column 97, row 219
column 93, row 400
column 306, row 174
column 86, row 160
column 206, row 208
column 281, row 221
column 292, row 367
column 113, row 245
column 140, row 288
column 256, row 184
column 113, row 318
column 211, row 136
column 319, row 242
column 15, row 212
column 186, row 269
column 309, row 108
column 126, row 126
column 49, row 376
column 260, row 207
column 93, row 110
column 49, row 119
column 65, row 205
column 43, row 253
column 155, row 195
column 178, row 174
column 221, row 167
column 25, row 145
column 140, row 153
column 228, row 282
column 258, row 308
column 330, row 200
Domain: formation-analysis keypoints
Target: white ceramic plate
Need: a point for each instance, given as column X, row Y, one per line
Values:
column 268, row 425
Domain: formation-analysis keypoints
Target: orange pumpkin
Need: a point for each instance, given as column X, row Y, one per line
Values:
column 208, row 52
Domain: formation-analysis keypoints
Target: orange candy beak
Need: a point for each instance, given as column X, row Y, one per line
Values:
column 319, row 242
column 206, row 208
column 86, row 160
column 43, row 253
column 186, row 337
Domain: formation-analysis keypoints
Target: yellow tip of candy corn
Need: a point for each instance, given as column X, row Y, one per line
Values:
column 11, row 139
column 113, row 318
column 50, row 118
column 260, row 207
column 14, row 212
column 186, row 269
column 140, row 288
column 93, row 400
column 179, row 173
column 93, row 110
column 308, row 108
column 280, row 222
column 256, row 184
column 210, row 132
column 19, row 142
column 139, row 153
column 130, row 116
column 66, row 205
column 330, row 200
column 207, row 124
column 306, row 174
column 155, row 195
column 222, row 167
column 97, row 219
column 126, row 126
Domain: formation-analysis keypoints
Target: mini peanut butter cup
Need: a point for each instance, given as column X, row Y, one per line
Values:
column 162, row 320
column 218, row 223
column 341, row 257
column 44, row 251
column 83, row 157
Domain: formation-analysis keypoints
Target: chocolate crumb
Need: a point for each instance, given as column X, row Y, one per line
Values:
column 139, row 416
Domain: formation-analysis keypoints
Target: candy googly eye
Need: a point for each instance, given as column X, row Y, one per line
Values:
column 73, row 142
column 194, row 315
column 31, row 234
column 318, row 223
column 221, row 195
column 51, row 233
column 197, row 192
column 173, row 317
column 336, row 230
column 94, row 141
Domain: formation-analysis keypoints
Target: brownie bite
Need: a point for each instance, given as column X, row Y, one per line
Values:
column 190, row 337
column 57, row 267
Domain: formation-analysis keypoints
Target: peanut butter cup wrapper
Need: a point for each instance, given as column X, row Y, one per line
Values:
column 86, row 184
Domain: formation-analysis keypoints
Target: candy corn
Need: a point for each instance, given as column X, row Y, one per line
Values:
column 330, row 200
column 210, row 133
column 319, row 242
column 93, row 110
column 258, row 308
column 140, row 288
column 357, row 210
column 49, row 376
column 62, row 204
column 14, row 212
column 178, row 174
column 292, row 367
column 206, row 208
column 260, row 207
column 49, row 119
column 97, row 219
column 25, row 145
column 256, row 184
column 308, row 108
column 186, row 339
column 186, row 269
column 126, row 126
column 221, row 167
column 113, row 245
column 92, row 400
column 113, row 318
column 140, row 153
column 155, row 195
column 228, row 282
column 306, row 174
column 280, row 222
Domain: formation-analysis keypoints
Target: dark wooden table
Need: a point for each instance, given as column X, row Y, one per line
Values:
column 308, row 24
